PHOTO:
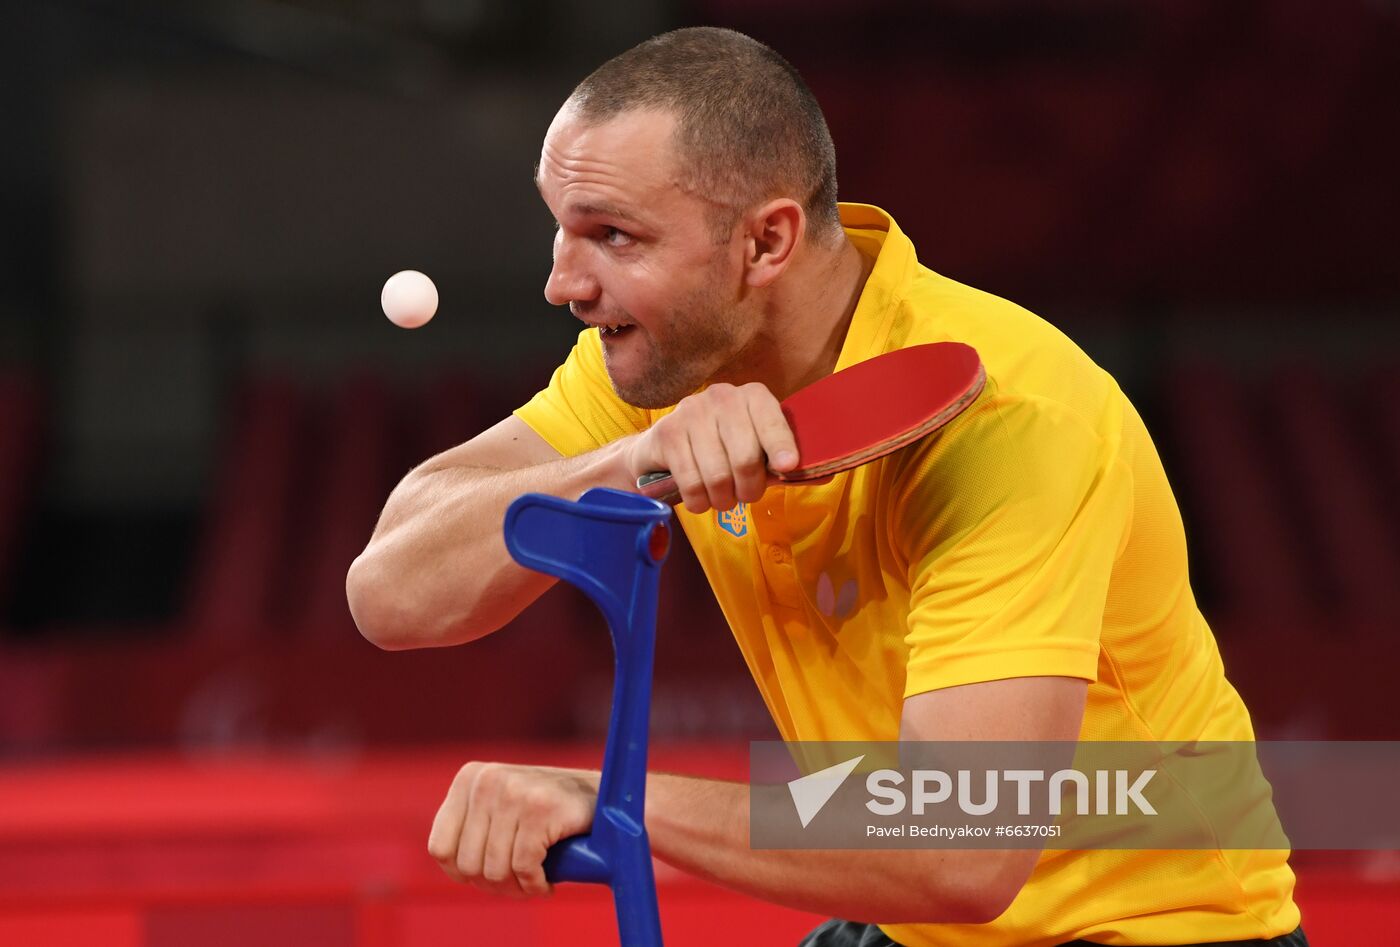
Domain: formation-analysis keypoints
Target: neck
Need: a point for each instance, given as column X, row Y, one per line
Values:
column 806, row 319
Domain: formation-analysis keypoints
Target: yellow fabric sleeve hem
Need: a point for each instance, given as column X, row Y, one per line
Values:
column 569, row 439
column 1054, row 658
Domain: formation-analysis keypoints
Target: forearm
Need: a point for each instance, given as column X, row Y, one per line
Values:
column 436, row 570
column 702, row 827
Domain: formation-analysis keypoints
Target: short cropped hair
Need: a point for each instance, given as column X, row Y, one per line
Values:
column 748, row 128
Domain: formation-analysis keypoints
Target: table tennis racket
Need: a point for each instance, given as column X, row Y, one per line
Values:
column 866, row 411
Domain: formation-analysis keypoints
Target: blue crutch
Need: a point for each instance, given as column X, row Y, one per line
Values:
column 610, row 544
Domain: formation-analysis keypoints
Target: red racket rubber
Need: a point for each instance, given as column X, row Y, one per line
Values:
column 867, row 411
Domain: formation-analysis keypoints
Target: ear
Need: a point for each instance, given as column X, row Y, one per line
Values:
column 772, row 231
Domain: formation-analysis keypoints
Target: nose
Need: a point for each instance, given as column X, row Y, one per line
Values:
column 570, row 280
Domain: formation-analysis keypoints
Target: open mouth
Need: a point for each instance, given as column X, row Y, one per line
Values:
column 613, row 331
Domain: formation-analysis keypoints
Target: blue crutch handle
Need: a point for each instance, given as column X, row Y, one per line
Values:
column 573, row 859
column 598, row 543
column 610, row 544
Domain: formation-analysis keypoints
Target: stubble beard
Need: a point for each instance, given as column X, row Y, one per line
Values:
column 702, row 334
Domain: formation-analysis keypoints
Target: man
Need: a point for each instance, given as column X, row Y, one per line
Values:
column 1020, row 576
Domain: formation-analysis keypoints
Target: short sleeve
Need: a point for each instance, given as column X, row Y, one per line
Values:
column 1010, row 527
column 580, row 411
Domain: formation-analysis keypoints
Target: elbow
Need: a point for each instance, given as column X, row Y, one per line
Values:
column 987, row 905
column 996, row 883
column 975, row 887
column 380, row 619
column 386, row 617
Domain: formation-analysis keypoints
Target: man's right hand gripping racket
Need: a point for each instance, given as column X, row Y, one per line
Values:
column 864, row 412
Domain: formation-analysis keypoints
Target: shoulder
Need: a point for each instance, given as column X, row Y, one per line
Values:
column 1029, row 362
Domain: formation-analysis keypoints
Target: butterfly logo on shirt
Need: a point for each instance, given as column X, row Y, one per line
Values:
column 735, row 522
column 833, row 602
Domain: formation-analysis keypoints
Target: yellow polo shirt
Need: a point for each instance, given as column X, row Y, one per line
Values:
column 1036, row 535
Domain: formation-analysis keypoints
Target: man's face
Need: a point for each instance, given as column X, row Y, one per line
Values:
column 634, row 250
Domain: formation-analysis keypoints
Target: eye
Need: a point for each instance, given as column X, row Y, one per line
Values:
column 616, row 238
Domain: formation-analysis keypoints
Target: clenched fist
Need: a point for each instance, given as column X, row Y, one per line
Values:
column 500, row 819
column 719, row 445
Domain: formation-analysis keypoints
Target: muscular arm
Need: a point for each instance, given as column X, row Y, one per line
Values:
column 436, row 570
column 702, row 826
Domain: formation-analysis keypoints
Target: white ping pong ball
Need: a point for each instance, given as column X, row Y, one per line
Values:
column 409, row 299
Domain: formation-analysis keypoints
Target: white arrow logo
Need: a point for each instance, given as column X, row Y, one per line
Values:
column 813, row 791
